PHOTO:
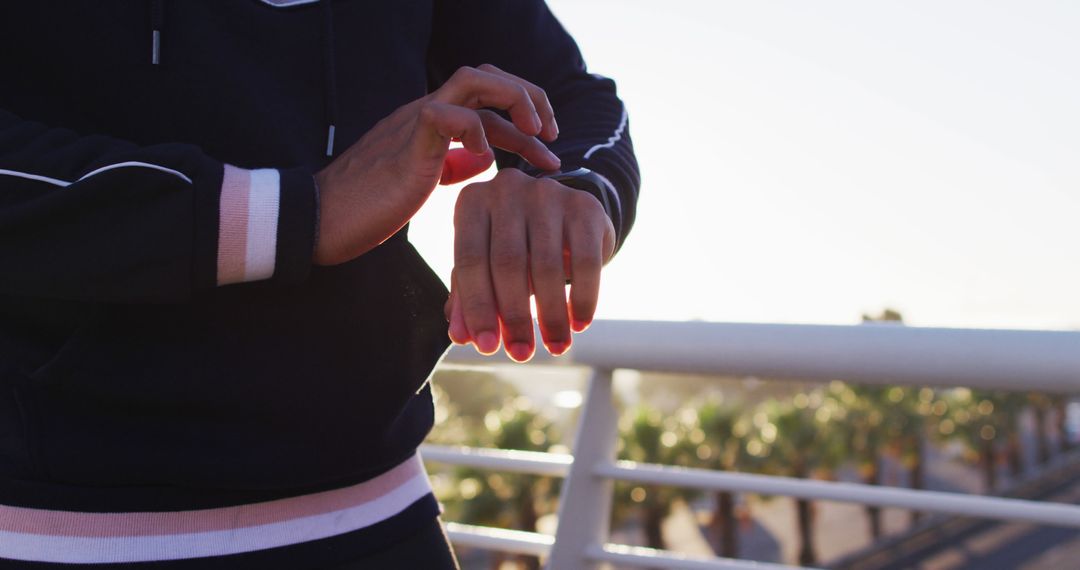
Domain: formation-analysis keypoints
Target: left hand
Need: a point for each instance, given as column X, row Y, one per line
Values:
column 516, row 235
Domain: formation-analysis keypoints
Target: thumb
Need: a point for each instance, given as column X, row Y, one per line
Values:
column 461, row 164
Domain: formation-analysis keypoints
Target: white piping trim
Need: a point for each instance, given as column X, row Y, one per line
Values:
column 614, row 138
column 52, row 181
column 287, row 3
column 330, row 140
column 139, row 164
column 65, row 184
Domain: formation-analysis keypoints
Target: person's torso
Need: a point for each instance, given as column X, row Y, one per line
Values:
column 249, row 387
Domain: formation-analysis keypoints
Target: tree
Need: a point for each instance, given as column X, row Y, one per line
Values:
column 905, row 413
column 867, row 407
column 647, row 436
column 1040, row 404
column 800, row 438
column 505, row 500
column 719, row 436
column 977, row 418
column 1061, row 414
column 913, row 413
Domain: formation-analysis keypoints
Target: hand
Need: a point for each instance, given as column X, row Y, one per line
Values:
column 514, row 235
column 372, row 189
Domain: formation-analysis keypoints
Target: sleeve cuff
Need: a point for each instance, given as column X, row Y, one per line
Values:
column 266, row 225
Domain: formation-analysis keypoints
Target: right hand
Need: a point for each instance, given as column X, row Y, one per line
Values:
column 376, row 186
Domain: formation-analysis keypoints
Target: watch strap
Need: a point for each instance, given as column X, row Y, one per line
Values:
column 600, row 187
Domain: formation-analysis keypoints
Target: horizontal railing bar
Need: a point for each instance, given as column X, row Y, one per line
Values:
column 556, row 465
column 535, row 544
column 1054, row 514
column 652, row 558
column 499, row 539
column 510, row 460
column 870, row 354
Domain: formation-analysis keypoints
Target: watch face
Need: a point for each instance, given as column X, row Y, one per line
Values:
column 575, row 173
column 580, row 171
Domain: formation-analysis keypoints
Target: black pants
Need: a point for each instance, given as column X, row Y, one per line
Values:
column 428, row 549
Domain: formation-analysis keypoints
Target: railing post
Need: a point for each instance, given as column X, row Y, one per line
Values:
column 585, row 504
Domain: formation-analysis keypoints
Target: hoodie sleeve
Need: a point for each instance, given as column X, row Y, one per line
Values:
column 524, row 38
column 94, row 218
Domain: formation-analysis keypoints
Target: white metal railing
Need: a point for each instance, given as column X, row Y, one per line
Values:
column 868, row 354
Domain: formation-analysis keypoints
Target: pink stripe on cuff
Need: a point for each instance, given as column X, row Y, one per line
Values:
column 233, row 227
column 247, row 233
column 79, row 524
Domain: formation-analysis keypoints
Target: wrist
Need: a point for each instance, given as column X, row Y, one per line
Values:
column 598, row 186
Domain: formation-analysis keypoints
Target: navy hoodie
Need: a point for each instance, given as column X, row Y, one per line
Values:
column 165, row 342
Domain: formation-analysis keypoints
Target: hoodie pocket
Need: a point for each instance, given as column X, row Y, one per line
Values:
column 66, row 356
column 253, row 386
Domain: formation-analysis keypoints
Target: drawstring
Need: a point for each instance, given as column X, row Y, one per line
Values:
column 157, row 21
column 330, row 75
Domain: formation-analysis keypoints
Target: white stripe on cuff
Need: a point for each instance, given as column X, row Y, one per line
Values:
column 263, row 205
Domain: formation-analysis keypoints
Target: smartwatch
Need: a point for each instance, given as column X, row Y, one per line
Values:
column 600, row 187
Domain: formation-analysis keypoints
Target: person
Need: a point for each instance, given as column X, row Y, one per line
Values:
column 215, row 337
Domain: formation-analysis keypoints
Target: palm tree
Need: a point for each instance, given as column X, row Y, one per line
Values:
column 1061, row 410
column 867, row 408
column 1040, row 404
column 905, row 417
column 647, row 436
column 720, row 436
column 505, row 500
column 910, row 413
column 1010, row 404
column 800, row 438
column 977, row 418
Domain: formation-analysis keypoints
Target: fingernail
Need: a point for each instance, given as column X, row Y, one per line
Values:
column 555, row 126
column 557, row 348
column 579, row 325
column 458, row 333
column 487, row 343
column 554, row 158
column 536, row 123
column 520, row 351
column 454, row 338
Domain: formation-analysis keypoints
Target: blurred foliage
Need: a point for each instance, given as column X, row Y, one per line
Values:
column 647, row 436
column 812, row 433
column 478, row 497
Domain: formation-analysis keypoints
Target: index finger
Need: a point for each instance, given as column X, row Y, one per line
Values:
column 476, row 89
column 539, row 98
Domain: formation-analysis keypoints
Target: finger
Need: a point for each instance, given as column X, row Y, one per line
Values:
column 457, row 330
column 439, row 123
column 584, row 238
column 475, row 89
column 471, row 251
column 539, row 98
column 461, row 164
column 510, row 275
column 548, row 280
column 502, row 133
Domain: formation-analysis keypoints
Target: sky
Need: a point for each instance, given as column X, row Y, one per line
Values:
column 809, row 162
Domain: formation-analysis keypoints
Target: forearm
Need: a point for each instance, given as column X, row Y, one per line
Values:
column 96, row 218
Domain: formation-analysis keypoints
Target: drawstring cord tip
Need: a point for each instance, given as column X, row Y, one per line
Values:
column 155, row 53
column 330, row 141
